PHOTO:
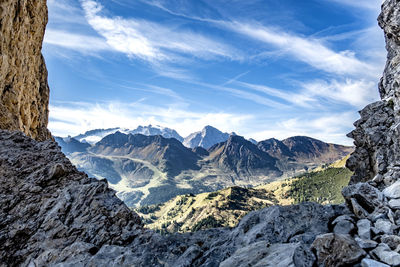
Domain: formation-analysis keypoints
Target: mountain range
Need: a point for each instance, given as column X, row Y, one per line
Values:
column 205, row 138
column 151, row 169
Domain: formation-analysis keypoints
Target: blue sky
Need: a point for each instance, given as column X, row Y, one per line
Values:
column 260, row 68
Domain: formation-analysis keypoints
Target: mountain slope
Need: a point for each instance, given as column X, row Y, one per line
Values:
column 243, row 157
column 168, row 154
column 225, row 208
column 71, row 145
column 206, row 138
column 303, row 153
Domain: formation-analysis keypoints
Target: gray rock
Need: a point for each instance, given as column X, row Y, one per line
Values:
column 394, row 204
column 372, row 263
column 363, row 199
column 392, row 191
column 393, row 241
column 376, row 232
column 340, row 218
column 344, row 227
column 264, row 254
column 384, row 226
column 364, row 228
column 365, row 243
column 337, row 250
column 386, row 255
column 279, row 224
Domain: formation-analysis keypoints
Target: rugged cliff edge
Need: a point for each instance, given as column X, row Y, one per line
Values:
column 24, row 93
column 52, row 214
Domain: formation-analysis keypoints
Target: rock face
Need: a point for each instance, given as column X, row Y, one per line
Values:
column 24, row 92
column 46, row 203
column 377, row 132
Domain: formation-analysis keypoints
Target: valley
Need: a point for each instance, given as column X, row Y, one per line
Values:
column 152, row 169
column 225, row 208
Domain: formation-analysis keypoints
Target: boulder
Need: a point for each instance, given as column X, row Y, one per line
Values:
column 337, row 250
column 393, row 241
column 386, row 255
column 394, row 204
column 384, row 226
column 366, row 243
column 364, row 228
column 372, row 263
column 265, row 254
column 392, row 191
column 363, row 199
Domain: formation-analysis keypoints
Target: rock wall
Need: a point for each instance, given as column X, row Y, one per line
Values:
column 24, row 92
column 377, row 154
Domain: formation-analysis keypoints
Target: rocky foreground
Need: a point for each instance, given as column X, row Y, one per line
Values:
column 53, row 215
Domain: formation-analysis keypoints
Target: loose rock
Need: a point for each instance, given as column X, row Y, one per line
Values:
column 386, row 255
column 337, row 250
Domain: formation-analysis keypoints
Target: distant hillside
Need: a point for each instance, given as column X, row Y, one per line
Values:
column 224, row 208
column 151, row 169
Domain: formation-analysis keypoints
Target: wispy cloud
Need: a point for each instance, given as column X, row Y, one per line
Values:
column 291, row 97
column 151, row 41
column 78, row 42
column 244, row 95
column 326, row 127
column 308, row 50
column 315, row 93
column 354, row 92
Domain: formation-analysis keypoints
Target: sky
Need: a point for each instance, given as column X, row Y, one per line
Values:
column 260, row 68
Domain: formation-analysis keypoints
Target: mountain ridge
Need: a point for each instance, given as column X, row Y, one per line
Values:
column 139, row 166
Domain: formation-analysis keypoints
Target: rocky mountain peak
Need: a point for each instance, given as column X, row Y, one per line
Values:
column 205, row 138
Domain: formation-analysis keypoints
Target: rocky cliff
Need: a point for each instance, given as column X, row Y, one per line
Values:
column 24, row 92
column 52, row 214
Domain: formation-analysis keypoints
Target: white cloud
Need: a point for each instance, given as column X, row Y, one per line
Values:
column 305, row 49
column 152, row 41
column 78, row 42
column 74, row 118
column 329, row 128
column 290, row 97
column 316, row 93
column 354, row 92
column 243, row 94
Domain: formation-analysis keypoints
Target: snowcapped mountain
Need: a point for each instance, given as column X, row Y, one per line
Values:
column 94, row 136
column 157, row 130
column 206, row 138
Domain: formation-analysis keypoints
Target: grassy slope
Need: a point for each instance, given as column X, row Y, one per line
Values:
column 226, row 207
